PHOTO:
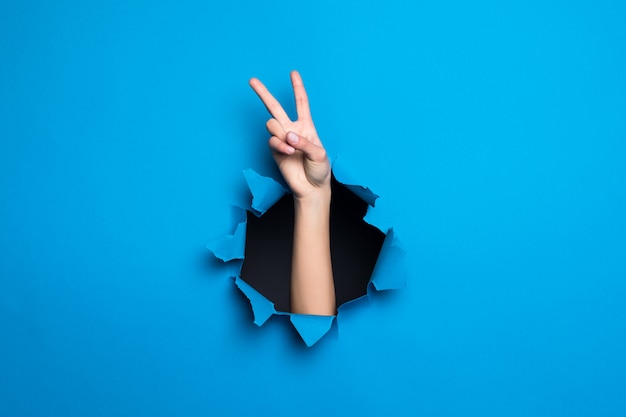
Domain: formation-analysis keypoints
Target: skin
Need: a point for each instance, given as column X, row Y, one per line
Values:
column 302, row 160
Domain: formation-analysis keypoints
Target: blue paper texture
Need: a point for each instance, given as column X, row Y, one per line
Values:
column 494, row 133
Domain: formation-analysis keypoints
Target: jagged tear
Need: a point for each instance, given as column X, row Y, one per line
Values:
column 365, row 259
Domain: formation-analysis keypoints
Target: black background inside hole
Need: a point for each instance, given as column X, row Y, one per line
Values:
column 355, row 246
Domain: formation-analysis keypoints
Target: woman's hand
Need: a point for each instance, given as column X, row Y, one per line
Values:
column 296, row 147
column 303, row 163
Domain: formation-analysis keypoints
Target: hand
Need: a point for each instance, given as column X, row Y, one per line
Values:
column 296, row 147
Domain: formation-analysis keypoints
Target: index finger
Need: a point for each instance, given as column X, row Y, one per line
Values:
column 302, row 100
column 272, row 105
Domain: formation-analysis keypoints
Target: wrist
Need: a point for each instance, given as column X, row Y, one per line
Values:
column 318, row 198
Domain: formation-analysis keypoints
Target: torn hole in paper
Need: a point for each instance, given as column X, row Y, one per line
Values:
column 365, row 259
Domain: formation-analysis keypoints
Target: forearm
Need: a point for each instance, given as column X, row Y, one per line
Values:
column 312, row 284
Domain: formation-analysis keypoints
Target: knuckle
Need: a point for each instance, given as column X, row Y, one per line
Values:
column 273, row 142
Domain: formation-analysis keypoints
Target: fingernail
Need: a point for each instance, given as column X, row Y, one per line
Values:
column 290, row 150
column 292, row 138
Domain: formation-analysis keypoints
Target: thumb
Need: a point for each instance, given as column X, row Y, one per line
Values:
column 312, row 151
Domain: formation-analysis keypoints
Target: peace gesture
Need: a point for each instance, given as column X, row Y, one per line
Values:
column 295, row 145
column 303, row 163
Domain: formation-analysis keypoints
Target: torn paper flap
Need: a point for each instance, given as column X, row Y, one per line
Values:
column 311, row 328
column 265, row 191
column 262, row 308
column 343, row 177
column 391, row 270
column 231, row 247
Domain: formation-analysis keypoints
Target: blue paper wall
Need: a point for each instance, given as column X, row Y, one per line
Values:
column 494, row 133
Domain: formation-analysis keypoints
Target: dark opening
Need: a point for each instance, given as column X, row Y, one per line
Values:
column 354, row 247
